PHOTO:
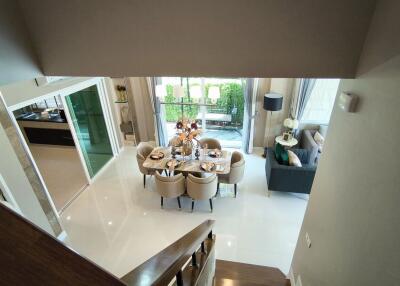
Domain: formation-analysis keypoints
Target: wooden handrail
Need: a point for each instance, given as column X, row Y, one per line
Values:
column 164, row 266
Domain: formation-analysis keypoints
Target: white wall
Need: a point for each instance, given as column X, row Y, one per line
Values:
column 27, row 90
column 17, row 58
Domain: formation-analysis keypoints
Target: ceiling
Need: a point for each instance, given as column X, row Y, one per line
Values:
column 228, row 38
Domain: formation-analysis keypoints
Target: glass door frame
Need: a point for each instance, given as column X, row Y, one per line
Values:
column 105, row 105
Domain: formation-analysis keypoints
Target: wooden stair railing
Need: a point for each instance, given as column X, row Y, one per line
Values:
column 196, row 247
column 30, row 256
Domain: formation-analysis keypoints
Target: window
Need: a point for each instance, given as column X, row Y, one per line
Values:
column 51, row 102
column 220, row 117
column 319, row 106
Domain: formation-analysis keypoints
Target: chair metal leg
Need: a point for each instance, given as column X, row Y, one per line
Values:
column 144, row 181
column 179, row 202
column 216, row 194
column 211, row 206
column 162, row 202
column 192, row 205
column 235, row 186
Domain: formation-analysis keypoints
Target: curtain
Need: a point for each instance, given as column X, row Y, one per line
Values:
column 160, row 127
column 250, row 91
column 306, row 87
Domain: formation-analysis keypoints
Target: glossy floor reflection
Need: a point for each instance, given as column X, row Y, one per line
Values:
column 118, row 224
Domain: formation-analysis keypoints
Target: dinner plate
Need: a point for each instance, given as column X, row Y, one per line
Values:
column 215, row 153
column 177, row 163
column 157, row 156
column 207, row 166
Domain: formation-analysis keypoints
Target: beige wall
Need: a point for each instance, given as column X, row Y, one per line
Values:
column 242, row 38
column 283, row 86
column 17, row 58
column 383, row 41
column 353, row 213
column 264, row 85
column 143, row 112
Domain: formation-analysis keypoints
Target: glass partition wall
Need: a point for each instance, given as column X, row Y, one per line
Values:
column 91, row 131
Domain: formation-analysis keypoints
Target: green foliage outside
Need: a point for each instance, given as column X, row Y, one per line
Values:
column 230, row 102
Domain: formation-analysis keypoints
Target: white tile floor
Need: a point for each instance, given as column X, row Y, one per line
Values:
column 118, row 224
column 62, row 172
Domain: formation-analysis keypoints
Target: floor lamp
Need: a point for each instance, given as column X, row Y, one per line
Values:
column 272, row 102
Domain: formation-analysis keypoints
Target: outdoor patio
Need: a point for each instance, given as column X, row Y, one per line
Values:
column 229, row 138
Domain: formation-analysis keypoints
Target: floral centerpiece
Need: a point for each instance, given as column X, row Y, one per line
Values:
column 187, row 132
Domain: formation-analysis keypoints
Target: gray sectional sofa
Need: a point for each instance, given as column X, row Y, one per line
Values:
column 292, row 179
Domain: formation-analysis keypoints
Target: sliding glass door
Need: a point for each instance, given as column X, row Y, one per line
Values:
column 91, row 131
column 216, row 104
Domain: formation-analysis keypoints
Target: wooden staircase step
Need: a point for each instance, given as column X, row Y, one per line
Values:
column 235, row 274
column 230, row 282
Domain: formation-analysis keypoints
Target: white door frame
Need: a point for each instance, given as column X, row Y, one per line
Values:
column 8, row 195
column 99, row 82
column 109, row 119
column 30, row 156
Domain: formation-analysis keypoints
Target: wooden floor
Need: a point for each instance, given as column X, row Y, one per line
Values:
column 239, row 274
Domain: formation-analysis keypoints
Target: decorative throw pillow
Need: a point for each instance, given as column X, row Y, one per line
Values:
column 293, row 159
column 281, row 154
column 302, row 154
column 319, row 139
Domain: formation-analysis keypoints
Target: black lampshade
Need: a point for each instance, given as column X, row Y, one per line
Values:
column 273, row 102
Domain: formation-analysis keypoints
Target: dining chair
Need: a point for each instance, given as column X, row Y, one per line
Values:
column 236, row 172
column 170, row 187
column 211, row 143
column 202, row 188
column 144, row 150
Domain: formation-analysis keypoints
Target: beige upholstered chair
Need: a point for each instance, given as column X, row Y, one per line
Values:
column 236, row 173
column 144, row 150
column 170, row 187
column 211, row 143
column 175, row 141
column 202, row 188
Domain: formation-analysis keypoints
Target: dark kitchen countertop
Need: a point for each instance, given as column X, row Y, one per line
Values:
column 37, row 117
